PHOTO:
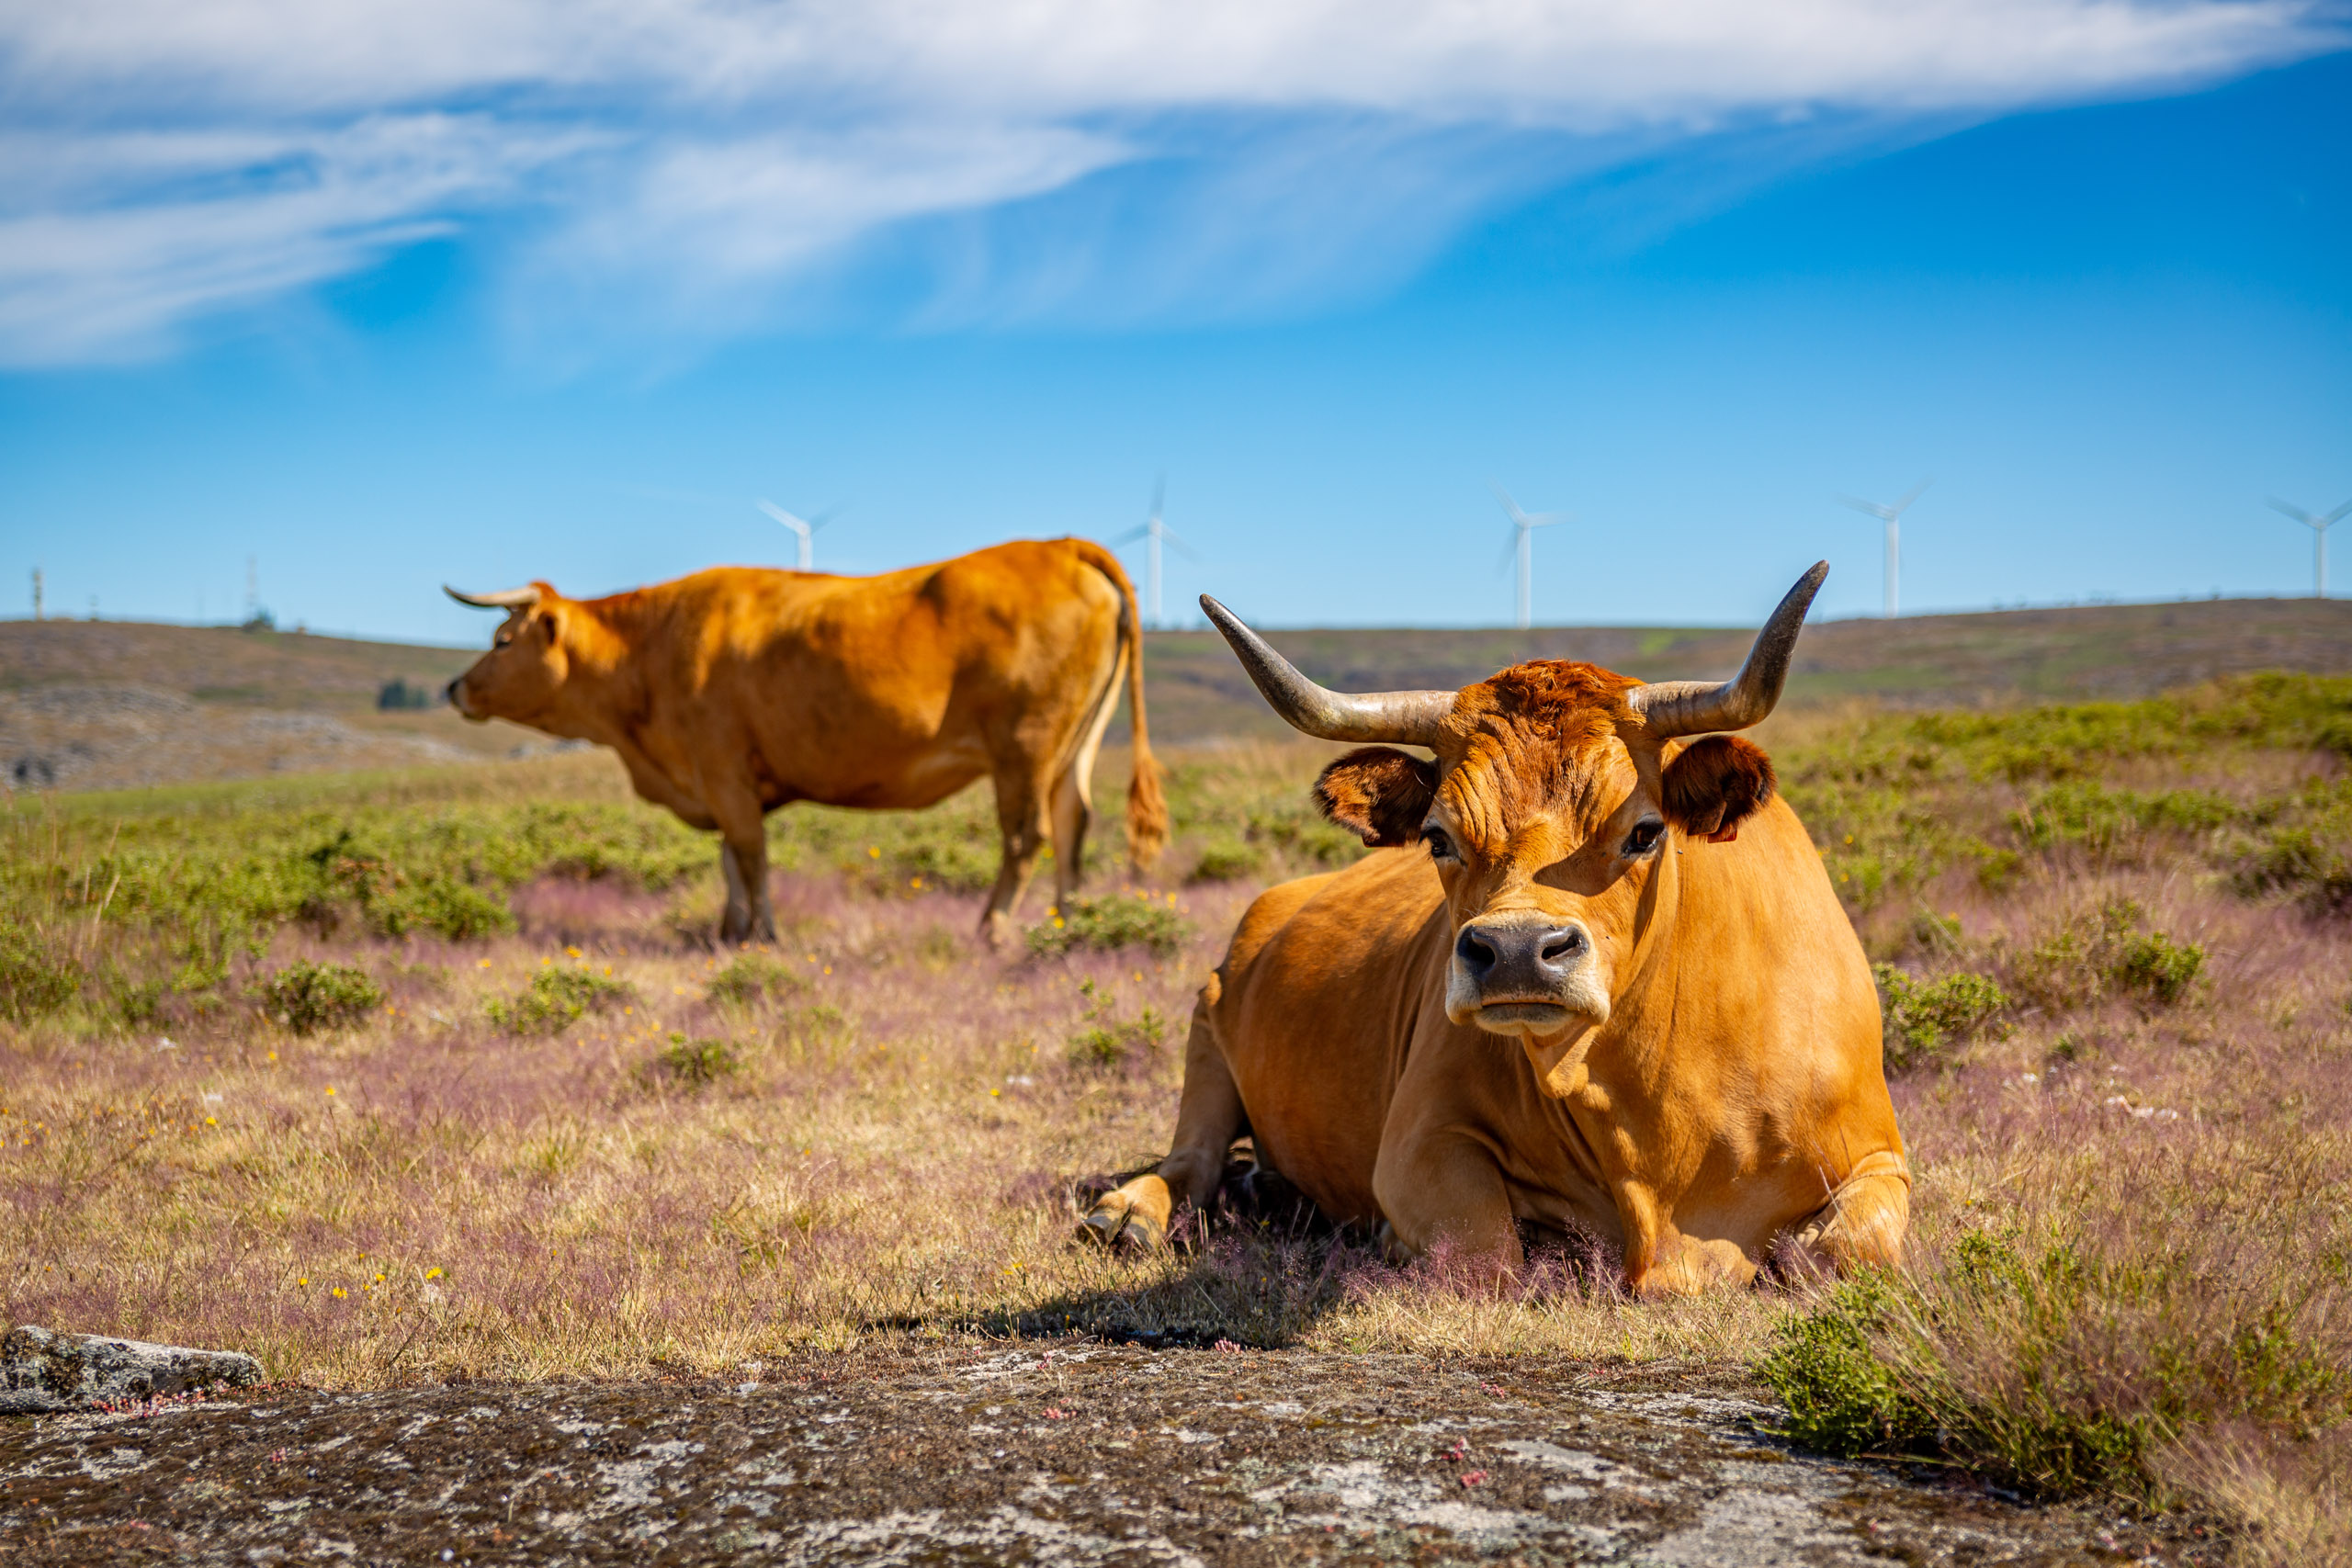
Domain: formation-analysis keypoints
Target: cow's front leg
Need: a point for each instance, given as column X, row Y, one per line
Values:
column 1442, row 1198
column 1864, row 1221
column 735, row 923
column 1666, row 1258
column 1209, row 1117
column 744, row 858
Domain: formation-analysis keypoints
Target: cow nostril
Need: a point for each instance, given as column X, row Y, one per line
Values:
column 1477, row 955
column 1562, row 944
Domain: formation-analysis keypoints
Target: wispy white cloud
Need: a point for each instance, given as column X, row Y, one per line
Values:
column 709, row 161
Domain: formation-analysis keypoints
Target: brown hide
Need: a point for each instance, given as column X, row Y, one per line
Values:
column 1703, row 1083
column 738, row 690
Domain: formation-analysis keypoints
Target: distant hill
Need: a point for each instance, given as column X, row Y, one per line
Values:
column 118, row 705
column 96, row 705
column 1998, row 658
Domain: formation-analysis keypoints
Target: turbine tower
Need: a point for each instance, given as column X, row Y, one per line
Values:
column 2319, row 527
column 1893, row 517
column 804, row 527
column 1523, row 523
column 1156, row 533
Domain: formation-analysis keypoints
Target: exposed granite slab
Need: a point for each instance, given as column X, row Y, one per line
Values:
column 42, row 1370
column 1074, row 1454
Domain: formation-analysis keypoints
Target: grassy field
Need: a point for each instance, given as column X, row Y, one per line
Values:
column 434, row 1073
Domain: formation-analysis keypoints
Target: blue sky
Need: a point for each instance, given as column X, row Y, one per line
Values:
column 389, row 296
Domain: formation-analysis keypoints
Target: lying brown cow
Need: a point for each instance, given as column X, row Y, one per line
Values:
column 740, row 689
column 1697, row 1071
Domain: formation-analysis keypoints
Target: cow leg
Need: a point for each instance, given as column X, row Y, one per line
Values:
column 1072, row 815
column 1207, row 1120
column 1863, row 1221
column 735, row 922
column 1442, row 1197
column 1021, row 818
column 743, row 857
column 750, row 910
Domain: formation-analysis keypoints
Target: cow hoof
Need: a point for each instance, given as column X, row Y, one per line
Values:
column 1123, row 1230
column 997, row 931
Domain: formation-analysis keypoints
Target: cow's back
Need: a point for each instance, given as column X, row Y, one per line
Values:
column 886, row 691
column 1315, row 1007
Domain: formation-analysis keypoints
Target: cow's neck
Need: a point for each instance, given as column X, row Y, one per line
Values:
column 602, row 697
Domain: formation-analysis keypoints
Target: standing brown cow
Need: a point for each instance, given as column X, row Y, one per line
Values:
column 740, row 689
column 1593, row 978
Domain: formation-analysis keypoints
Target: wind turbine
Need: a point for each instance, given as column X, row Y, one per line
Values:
column 1157, row 532
column 1892, row 516
column 2319, row 527
column 1523, row 523
column 804, row 527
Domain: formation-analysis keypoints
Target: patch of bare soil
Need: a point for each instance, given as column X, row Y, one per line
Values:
column 1073, row 1452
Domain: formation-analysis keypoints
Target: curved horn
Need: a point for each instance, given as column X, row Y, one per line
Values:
column 505, row 599
column 1699, row 707
column 1409, row 719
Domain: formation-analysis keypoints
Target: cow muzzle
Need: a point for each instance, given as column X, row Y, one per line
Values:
column 456, row 692
column 1526, row 976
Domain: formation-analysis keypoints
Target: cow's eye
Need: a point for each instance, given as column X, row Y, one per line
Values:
column 1441, row 846
column 1645, row 837
column 501, row 639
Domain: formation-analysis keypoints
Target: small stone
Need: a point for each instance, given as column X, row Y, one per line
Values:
column 43, row 1371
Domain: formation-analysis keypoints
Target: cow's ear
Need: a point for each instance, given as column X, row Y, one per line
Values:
column 1378, row 794
column 550, row 627
column 1716, row 785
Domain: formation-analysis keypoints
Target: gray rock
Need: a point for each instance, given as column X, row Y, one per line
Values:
column 42, row 1372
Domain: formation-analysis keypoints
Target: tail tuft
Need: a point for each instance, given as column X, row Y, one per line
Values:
column 1146, row 809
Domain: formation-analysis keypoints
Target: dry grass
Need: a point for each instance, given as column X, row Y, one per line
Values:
column 2134, row 1258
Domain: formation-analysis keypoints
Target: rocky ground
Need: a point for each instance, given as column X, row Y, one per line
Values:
column 1067, row 1452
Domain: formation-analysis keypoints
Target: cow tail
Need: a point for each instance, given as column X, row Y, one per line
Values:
column 1147, row 808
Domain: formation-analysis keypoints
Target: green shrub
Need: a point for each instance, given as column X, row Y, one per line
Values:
column 1116, row 1042
column 32, row 982
column 556, row 1000
column 1113, row 920
column 2305, row 848
column 307, row 997
column 2159, row 968
column 755, row 977
column 453, row 910
column 1229, row 860
column 694, row 1062
column 2105, row 820
column 2094, row 956
column 1921, row 1016
column 1842, row 1398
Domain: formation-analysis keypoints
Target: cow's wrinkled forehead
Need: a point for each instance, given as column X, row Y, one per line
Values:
column 1539, row 738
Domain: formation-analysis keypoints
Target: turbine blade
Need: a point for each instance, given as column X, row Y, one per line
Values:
column 2297, row 513
column 1170, row 536
column 1131, row 535
column 1510, row 507
column 1859, row 504
column 2338, row 515
column 1510, row 553
column 781, row 515
column 1916, row 491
